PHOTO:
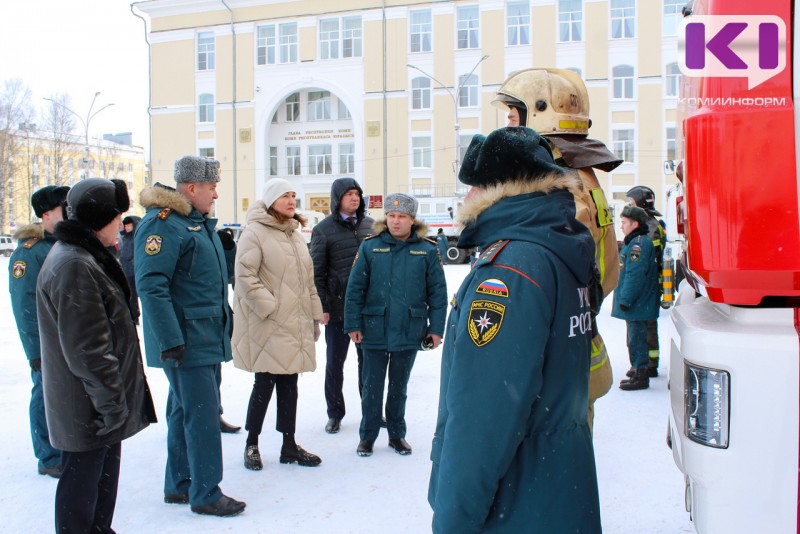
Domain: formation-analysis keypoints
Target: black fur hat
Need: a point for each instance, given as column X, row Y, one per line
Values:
column 96, row 201
column 507, row 154
column 47, row 198
column 635, row 213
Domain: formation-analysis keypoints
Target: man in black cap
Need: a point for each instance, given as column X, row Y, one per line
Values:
column 95, row 390
column 35, row 242
column 126, row 259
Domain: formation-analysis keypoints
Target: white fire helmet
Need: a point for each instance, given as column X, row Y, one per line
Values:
column 556, row 100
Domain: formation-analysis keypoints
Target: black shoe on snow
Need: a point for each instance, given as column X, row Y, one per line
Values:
column 299, row 456
column 365, row 447
column 223, row 507
column 400, row 446
column 252, row 458
column 54, row 471
column 333, row 425
column 227, row 428
column 176, row 498
column 640, row 380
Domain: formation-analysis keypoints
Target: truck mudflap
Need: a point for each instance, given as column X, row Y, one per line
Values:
column 747, row 481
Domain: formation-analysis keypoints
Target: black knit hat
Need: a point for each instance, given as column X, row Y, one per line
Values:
column 635, row 213
column 507, row 154
column 47, row 198
column 96, row 201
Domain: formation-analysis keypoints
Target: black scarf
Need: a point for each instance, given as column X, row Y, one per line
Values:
column 75, row 233
column 639, row 230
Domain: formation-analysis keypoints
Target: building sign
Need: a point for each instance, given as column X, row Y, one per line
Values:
column 375, row 202
column 317, row 135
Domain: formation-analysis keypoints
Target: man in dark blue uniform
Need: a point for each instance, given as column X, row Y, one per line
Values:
column 35, row 241
column 512, row 450
column 183, row 285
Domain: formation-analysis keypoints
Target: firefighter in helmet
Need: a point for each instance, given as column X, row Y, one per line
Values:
column 555, row 103
column 644, row 197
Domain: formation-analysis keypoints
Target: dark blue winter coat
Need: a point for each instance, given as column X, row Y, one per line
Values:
column 23, row 269
column 182, row 281
column 397, row 293
column 638, row 288
column 512, row 450
column 126, row 248
column 441, row 242
column 334, row 243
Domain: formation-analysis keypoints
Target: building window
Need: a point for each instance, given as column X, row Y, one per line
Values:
column 421, row 27
column 271, row 49
column 206, row 152
column 330, row 38
column 673, row 78
column 672, row 16
column 670, row 141
column 421, row 93
column 347, row 158
column 319, row 105
column 293, row 160
column 273, row 161
column 293, row 107
column 205, row 108
column 344, row 113
column 205, row 51
column 351, row 37
column 287, row 36
column 468, row 91
column 622, row 141
column 265, row 45
column 623, row 19
column 319, row 159
column 468, row 25
column 570, row 20
column 421, row 152
column 518, row 21
column 622, row 76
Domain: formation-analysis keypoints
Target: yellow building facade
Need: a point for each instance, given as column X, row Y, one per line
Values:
column 391, row 92
column 39, row 160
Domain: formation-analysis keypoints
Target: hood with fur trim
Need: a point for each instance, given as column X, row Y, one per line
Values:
column 29, row 231
column 420, row 229
column 162, row 196
column 541, row 212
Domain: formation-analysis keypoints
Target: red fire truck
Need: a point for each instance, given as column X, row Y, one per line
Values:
column 735, row 347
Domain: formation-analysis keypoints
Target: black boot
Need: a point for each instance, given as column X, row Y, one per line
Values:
column 640, row 380
column 631, row 372
column 652, row 367
column 298, row 455
column 227, row 428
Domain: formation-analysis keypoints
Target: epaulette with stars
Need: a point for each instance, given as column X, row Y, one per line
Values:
column 30, row 242
column 163, row 214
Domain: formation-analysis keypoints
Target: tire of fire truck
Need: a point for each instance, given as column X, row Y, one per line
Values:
column 455, row 254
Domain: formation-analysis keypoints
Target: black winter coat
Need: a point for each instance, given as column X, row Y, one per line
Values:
column 126, row 248
column 95, row 390
column 334, row 243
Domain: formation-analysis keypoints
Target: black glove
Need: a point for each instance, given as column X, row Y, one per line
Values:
column 36, row 365
column 109, row 423
column 624, row 307
column 175, row 354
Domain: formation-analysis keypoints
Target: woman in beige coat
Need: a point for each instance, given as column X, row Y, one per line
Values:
column 277, row 314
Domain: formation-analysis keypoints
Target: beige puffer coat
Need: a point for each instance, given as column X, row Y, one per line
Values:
column 275, row 302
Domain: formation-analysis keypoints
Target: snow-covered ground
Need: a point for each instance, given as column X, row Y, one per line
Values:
column 641, row 490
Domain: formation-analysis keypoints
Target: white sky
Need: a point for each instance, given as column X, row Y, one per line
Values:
column 80, row 47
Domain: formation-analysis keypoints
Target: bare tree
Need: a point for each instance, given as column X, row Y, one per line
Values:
column 15, row 110
column 62, row 145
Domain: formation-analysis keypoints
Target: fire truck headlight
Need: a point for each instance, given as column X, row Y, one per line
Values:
column 707, row 405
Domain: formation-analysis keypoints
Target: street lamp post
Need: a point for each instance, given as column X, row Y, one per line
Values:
column 89, row 117
column 454, row 96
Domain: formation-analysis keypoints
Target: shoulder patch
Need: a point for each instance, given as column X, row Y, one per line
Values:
column 163, row 214
column 194, row 228
column 493, row 286
column 373, row 236
column 152, row 244
column 484, row 321
column 30, row 242
column 429, row 239
column 488, row 255
column 18, row 269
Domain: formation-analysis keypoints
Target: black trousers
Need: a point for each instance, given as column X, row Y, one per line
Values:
column 87, row 490
column 338, row 343
column 286, row 386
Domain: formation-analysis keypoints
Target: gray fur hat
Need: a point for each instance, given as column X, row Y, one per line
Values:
column 402, row 203
column 196, row 169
